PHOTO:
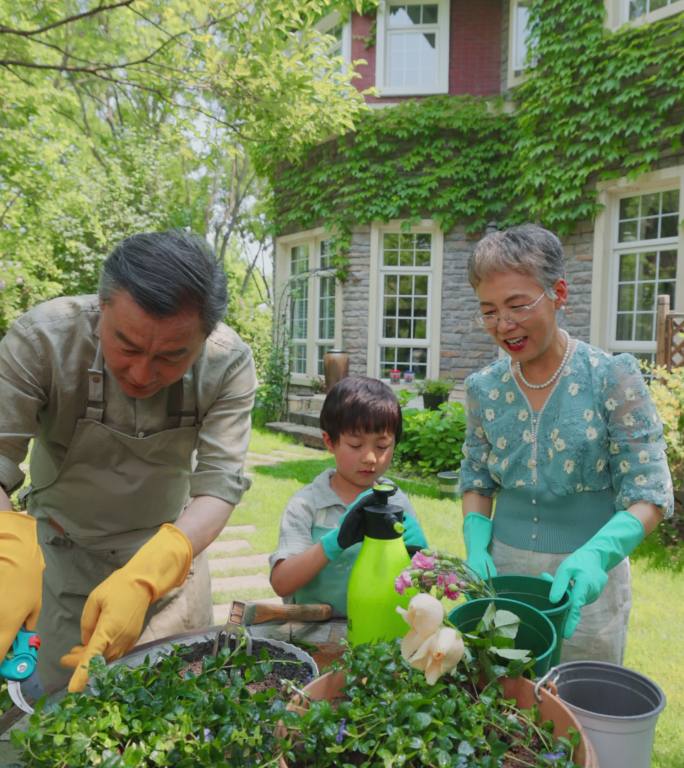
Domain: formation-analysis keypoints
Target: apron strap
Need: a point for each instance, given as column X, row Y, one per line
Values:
column 182, row 403
column 96, row 404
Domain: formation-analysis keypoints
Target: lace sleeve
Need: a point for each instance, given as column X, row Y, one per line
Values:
column 638, row 462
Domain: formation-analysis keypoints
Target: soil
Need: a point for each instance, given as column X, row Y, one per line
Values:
column 287, row 668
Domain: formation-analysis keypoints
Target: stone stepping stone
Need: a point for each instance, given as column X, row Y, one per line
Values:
column 244, row 561
column 240, row 529
column 228, row 547
column 237, row 583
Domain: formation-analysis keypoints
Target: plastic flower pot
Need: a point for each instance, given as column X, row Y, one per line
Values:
column 536, row 633
column 534, row 591
column 330, row 687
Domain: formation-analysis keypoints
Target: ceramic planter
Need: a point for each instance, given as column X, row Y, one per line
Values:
column 330, row 686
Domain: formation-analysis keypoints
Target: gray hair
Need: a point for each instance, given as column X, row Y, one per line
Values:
column 528, row 249
column 166, row 273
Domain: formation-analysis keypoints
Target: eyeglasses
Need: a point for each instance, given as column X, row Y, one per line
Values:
column 514, row 315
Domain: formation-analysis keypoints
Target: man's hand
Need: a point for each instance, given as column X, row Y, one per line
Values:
column 21, row 576
column 113, row 616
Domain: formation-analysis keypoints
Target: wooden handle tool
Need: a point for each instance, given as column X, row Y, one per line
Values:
column 257, row 612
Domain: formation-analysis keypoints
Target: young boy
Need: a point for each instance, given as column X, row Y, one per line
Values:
column 361, row 424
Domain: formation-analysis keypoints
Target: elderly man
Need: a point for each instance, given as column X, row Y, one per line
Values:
column 138, row 401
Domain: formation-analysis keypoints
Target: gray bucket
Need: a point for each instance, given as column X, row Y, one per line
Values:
column 617, row 707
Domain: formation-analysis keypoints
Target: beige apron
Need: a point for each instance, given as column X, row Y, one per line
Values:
column 109, row 496
column 602, row 632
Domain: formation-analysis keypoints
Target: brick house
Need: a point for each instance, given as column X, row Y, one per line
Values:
column 407, row 303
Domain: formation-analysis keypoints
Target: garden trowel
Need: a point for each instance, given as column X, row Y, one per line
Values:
column 19, row 665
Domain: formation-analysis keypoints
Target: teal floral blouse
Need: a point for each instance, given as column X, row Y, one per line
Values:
column 598, row 430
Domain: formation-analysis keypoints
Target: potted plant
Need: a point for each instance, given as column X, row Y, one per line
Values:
column 436, row 698
column 171, row 703
column 434, row 392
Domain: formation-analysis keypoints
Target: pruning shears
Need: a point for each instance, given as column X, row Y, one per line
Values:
column 19, row 664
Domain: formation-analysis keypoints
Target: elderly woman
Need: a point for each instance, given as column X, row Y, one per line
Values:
column 567, row 439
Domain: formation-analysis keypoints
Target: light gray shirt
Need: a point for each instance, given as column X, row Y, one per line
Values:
column 44, row 361
column 316, row 506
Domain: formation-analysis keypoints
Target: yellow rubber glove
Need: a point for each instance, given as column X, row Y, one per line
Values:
column 113, row 616
column 21, row 576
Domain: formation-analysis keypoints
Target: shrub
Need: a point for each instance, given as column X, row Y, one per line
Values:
column 667, row 391
column 431, row 441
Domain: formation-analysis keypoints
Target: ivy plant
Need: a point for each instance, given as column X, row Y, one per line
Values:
column 595, row 104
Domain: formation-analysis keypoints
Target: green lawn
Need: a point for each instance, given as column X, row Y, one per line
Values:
column 655, row 646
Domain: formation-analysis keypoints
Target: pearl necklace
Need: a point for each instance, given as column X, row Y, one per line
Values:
column 556, row 373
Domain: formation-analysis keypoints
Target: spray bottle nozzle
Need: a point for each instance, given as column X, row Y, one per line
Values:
column 382, row 492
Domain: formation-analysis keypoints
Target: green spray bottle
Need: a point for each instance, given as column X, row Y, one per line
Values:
column 371, row 597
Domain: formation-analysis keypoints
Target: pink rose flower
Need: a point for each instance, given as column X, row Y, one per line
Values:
column 424, row 562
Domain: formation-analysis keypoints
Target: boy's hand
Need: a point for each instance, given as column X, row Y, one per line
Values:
column 414, row 538
column 349, row 531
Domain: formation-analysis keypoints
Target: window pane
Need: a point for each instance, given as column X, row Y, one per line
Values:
column 629, row 208
column 671, row 201
column 420, row 307
column 627, row 267
column 668, row 265
column 521, row 21
column 404, row 329
column 626, row 297
column 423, row 241
column 650, row 204
column 390, row 258
column 649, row 228
column 627, row 231
column 390, row 305
column 624, row 327
column 669, row 289
column 413, row 12
column 429, row 14
column 405, row 285
column 646, row 297
column 390, row 329
column 422, row 258
column 420, row 329
column 390, row 284
column 637, row 8
column 390, row 240
column 421, row 288
column 647, row 266
column 669, row 226
column 644, row 327
column 411, row 60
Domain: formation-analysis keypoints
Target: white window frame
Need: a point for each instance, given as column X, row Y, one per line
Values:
column 618, row 13
column 604, row 272
column 332, row 20
column 514, row 77
column 375, row 338
column 313, row 238
column 442, row 39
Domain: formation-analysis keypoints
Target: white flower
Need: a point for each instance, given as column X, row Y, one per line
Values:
column 550, row 453
column 425, row 615
column 519, row 483
column 489, row 414
column 643, row 457
column 566, row 371
column 600, row 465
column 479, row 431
column 439, row 654
column 531, row 463
column 501, row 443
column 527, row 436
column 559, row 444
column 484, row 456
column 630, row 394
column 591, row 433
column 588, row 414
column 611, row 404
column 477, row 483
column 628, row 420
column 593, row 361
column 573, row 388
column 493, row 394
column 523, row 415
column 640, row 480
column 506, row 377
column 569, row 466
column 579, row 488
column 493, row 458
column 624, row 466
column 504, row 464
column 510, row 397
column 554, row 434
column 614, row 448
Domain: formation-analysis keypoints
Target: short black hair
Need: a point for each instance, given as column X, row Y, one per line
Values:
column 360, row 404
column 166, row 273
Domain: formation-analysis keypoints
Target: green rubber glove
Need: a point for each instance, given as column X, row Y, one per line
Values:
column 477, row 532
column 413, row 535
column 350, row 529
column 584, row 573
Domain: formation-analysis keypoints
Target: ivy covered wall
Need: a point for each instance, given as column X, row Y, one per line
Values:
column 597, row 105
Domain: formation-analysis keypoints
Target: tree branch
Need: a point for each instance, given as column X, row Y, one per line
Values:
column 68, row 20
